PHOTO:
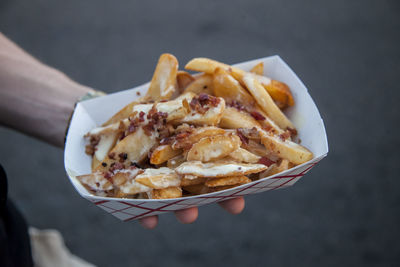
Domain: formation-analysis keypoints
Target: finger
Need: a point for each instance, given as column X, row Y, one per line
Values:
column 233, row 206
column 187, row 215
column 149, row 222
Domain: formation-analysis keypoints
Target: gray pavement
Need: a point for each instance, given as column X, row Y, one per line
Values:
column 345, row 212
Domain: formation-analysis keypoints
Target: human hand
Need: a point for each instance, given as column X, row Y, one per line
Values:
column 233, row 206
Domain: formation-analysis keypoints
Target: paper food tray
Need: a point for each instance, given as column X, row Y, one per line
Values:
column 92, row 113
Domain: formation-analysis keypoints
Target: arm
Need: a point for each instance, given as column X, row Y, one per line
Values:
column 35, row 99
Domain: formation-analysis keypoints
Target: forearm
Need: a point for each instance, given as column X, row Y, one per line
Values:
column 34, row 98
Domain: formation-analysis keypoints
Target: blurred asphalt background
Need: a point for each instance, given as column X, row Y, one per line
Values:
column 345, row 212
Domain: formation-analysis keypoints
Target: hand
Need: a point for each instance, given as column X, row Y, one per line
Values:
column 233, row 206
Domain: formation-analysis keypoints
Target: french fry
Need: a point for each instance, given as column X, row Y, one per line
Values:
column 127, row 185
column 96, row 182
column 218, row 168
column 286, row 149
column 211, row 117
column 133, row 148
column 159, row 178
column 187, row 182
column 223, row 181
column 258, row 69
column 242, row 155
column 202, row 84
column 280, row 92
column 266, row 103
column 268, row 124
column 213, row 147
column 194, row 135
column 170, row 192
column 196, row 189
column 229, row 89
column 183, row 79
column 122, row 114
column 163, row 83
column 233, row 119
column 276, row 168
column 163, row 153
column 176, row 161
column 276, row 89
column 95, row 162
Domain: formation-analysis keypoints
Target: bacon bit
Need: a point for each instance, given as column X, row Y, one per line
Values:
column 182, row 135
column 90, row 149
column 163, row 101
column 257, row 115
column 244, row 139
column 108, row 175
column 134, row 164
column 116, row 166
column 214, row 101
column 204, row 98
column 141, row 116
column 148, row 129
column 132, row 128
column 111, row 155
column 268, row 128
column 237, row 105
column 266, row 161
column 197, row 106
column 284, row 136
column 152, row 111
column 123, row 135
column 292, row 131
column 138, row 93
column 122, row 157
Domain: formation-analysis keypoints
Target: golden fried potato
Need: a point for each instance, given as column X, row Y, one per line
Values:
column 95, row 182
column 195, row 181
column 242, row 155
column 266, row 103
column 233, row 119
column 258, row 69
column 280, row 93
column 194, row 135
column 218, row 168
column 196, row 189
column 278, row 90
column 211, row 117
column 126, row 183
column 163, row 83
column 176, row 161
column 202, row 84
column 183, row 79
column 133, row 148
column 275, row 168
column 122, row 114
column 163, row 153
column 159, row 178
column 286, row 149
column 170, row 192
column 213, row 147
column 229, row 89
column 223, row 181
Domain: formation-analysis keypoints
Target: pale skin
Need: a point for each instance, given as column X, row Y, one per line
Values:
column 38, row 100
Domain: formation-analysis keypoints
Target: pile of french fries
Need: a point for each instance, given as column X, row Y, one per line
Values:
column 195, row 134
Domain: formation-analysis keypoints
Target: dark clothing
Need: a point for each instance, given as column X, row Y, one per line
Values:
column 15, row 249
